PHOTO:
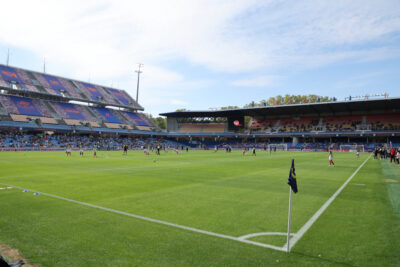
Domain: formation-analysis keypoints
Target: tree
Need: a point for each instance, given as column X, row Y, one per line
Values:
column 289, row 99
column 159, row 121
column 229, row 107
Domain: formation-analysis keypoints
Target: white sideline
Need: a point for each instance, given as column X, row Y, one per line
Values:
column 154, row 220
column 312, row 220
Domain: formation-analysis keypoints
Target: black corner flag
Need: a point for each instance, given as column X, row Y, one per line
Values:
column 292, row 178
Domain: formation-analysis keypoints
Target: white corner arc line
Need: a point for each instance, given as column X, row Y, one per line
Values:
column 244, row 237
column 312, row 220
column 187, row 228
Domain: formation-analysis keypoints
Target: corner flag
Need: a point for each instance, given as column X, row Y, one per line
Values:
column 292, row 178
column 293, row 187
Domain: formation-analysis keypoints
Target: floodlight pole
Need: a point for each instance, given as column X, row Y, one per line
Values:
column 289, row 216
column 138, row 78
column 8, row 56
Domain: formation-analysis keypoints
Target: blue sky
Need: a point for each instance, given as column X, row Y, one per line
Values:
column 208, row 54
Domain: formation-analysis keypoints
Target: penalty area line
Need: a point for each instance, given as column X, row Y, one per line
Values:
column 187, row 228
column 312, row 220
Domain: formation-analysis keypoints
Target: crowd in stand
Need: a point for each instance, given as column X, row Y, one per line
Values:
column 17, row 140
column 385, row 126
column 376, row 122
column 39, row 141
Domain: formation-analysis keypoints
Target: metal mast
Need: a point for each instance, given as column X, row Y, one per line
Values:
column 8, row 56
column 138, row 71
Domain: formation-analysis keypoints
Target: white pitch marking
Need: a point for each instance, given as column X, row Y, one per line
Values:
column 243, row 237
column 312, row 220
column 155, row 220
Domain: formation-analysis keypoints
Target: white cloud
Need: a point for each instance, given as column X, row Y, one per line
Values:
column 105, row 39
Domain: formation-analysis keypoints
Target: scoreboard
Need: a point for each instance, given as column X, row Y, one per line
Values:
column 235, row 123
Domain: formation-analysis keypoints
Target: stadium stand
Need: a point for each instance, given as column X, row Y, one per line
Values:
column 307, row 124
column 136, row 119
column 189, row 128
column 12, row 141
column 23, row 109
column 70, row 111
column 342, row 123
column 265, row 125
column 22, row 105
column 9, row 106
column 112, row 118
column 202, row 128
column 121, row 96
column 95, row 93
column 11, row 78
column 19, row 79
column 26, row 80
column 213, row 128
column 32, row 102
column 296, row 124
column 384, row 122
column 54, row 86
column 41, row 107
column 24, row 118
column 106, row 114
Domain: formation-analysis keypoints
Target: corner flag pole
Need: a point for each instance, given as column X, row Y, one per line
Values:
column 289, row 215
column 293, row 187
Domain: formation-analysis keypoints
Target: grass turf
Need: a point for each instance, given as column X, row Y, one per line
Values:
column 222, row 193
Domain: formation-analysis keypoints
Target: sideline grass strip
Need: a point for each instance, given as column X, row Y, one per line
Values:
column 391, row 172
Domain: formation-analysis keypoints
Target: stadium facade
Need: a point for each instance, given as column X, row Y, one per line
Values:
column 367, row 121
column 37, row 102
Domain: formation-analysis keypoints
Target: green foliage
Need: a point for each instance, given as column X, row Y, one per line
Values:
column 224, row 193
column 290, row 99
column 229, row 107
column 284, row 100
column 159, row 121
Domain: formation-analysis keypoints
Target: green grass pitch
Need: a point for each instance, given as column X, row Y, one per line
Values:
column 222, row 193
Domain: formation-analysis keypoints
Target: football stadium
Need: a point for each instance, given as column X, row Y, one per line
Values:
column 90, row 177
column 209, row 190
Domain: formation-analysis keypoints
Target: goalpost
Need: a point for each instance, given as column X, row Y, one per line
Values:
column 352, row 148
column 279, row 147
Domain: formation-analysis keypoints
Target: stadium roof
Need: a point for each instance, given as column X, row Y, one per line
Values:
column 332, row 108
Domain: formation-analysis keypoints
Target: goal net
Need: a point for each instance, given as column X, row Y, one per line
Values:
column 352, row 148
column 278, row 147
